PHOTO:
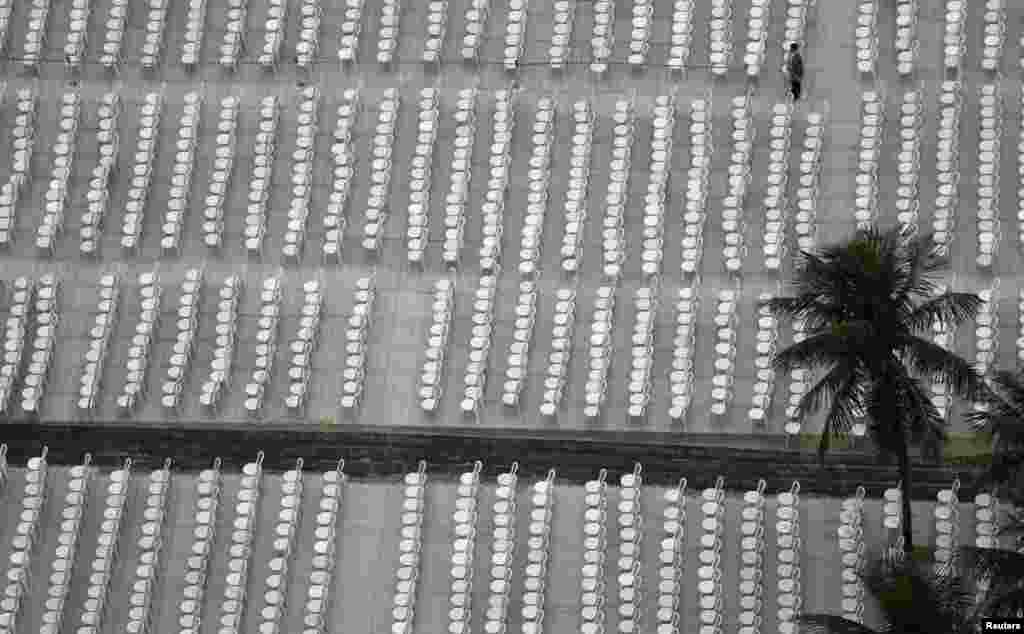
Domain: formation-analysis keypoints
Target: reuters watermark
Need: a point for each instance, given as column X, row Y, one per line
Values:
column 1002, row 625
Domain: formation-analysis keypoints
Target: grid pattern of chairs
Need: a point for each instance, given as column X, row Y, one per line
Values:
column 388, row 33
column 64, row 149
column 641, row 371
column 906, row 36
column 640, row 34
column 187, row 326
column 602, row 37
column 47, row 318
column 219, row 379
column 805, row 226
column 23, row 141
column 269, row 328
column 851, row 546
column 942, row 335
column 947, row 164
column 503, row 124
column 308, row 46
column 682, row 35
column 233, row 43
column 410, row 544
column 146, row 145
column 186, row 149
column 437, row 26
column 247, row 502
column 556, row 371
column 273, row 34
column 261, row 178
column 515, row 33
column 800, row 380
column 664, row 122
column 62, row 564
column 517, row 360
column 22, row 306
column 302, row 347
column 725, row 350
column 720, row 37
column 671, row 559
column 503, row 542
column 775, row 201
column 872, row 133
column 757, row 36
column 986, row 328
column 289, row 514
column 989, row 160
column 542, row 139
column 697, row 185
column 537, row 554
column 356, row 335
column 953, row 40
column 156, row 24
column 220, row 173
column 601, row 349
column 767, row 338
column 733, row 226
column 595, row 543
column 113, row 36
column 629, row 578
column 307, row 123
column 994, row 35
column 420, row 176
column 866, row 36
column 351, row 27
column 459, row 179
column 23, row 543
column 99, row 335
column 796, row 21
column 150, row 544
column 35, row 34
column 947, row 525
column 909, row 161
column 752, row 547
column 474, row 382
column 575, row 209
column 613, row 238
column 377, row 204
column 432, row 375
column 141, row 351
column 709, row 574
column 197, row 565
column 684, row 343
column 99, row 194
column 75, row 42
column 344, row 155
column 463, row 546
column 321, row 578
column 195, row 31
column 788, row 554
column 477, row 12
column 94, row 607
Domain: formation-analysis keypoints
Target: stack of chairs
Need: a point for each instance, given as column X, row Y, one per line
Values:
column 640, row 34
column 561, row 33
column 99, row 336
column 986, row 330
column 995, row 35
column 197, row 565
column 757, row 36
column 195, row 31
column 303, row 157
column 23, row 140
column 725, row 350
column 595, row 543
column 532, row 233
column 221, row 173
column 733, row 226
column 602, row 40
column 788, row 554
column 601, row 349
column 503, row 124
column 459, row 179
column 517, row 361
column 343, row 151
column 273, row 34
column 22, row 307
column 947, row 164
column 62, row 564
column 432, row 376
column 954, row 41
column 437, row 26
column 720, row 37
column 672, row 559
column 866, row 36
column 658, row 185
column 641, row 371
column 156, row 23
column 321, row 577
column 47, row 318
column 537, row 554
column 302, row 347
column 810, row 178
column 556, row 371
column 33, row 499
column 796, row 21
column 942, row 336
column 35, row 35
column 682, row 35
column 421, row 181
column 307, row 48
column 356, row 343
column 224, row 347
column 378, row 202
column 56, row 197
column 269, row 328
column 709, row 586
column 247, row 506
column 113, row 39
column 475, row 380
column 289, row 515
column 407, row 575
column 388, row 33
column 906, row 36
column 146, row 146
column 909, row 157
column 475, row 34
column 150, row 544
column 892, row 513
column 187, row 326
column 503, row 543
column 630, row 522
column 575, row 210
column 775, row 200
column 799, row 382
column 851, row 548
column 141, row 351
column 872, row 135
column 947, row 526
column 767, row 334
column 94, row 608
column 261, row 179
column 752, row 547
column 697, row 185
column 99, row 194
column 186, row 149
column 989, row 160
column 233, row 44
column 6, row 11
column 515, row 33
column 684, row 339
column 78, row 31
column 351, row 27
column 463, row 546
column 613, row 238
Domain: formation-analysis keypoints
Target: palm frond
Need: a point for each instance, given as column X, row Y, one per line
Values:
column 828, row 624
column 844, row 394
column 815, row 351
column 931, row 361
column 950, row 309
column 1004, row 570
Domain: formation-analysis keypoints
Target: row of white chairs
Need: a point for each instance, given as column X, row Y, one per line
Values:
column 947, row 525
column 517, row 360
column 421, row 176
column 477, row 13
column 197, row 564
column 733, row 226
column 709, row 573
column 538, row 548
column 866, row 36
column 261, row 178
column 308, row 47
column 432, row 377
column 630, row 536
column 720, row 45
column 269, row 328
column 218, row 381
column 682, row 35
column 758, row 20
column 351, row 28
column 671, row 559
column 1020, row 324
column 142, row 171
column 94, row 607
column 344, row 157
column 273, row 34
column 872, row 136
column 947, row 164
column 150, row 545
column 187, row 326
column 195, row 31
column 640, row 34
column 641, row 371
column 684, row 343
column 464, row 532
column 221, row 172
column 503, row 124
column 99, row 336
column 906, row 43
column 908, row 159
column 98, row 197
column 1020, row 179
column 775, row 201
column 285, row 542
column 556, row 371
column 851, row 548
column 410, row 544
column 321, row 578
column 302, row 347
column 23, row 543
column 613, row 234
column 662, row 133
column 725, row 350
column 378, row 205
column 602, row 36
column 767, row 337
column 437, row 26
column 357, row 333
column 543, row 140
column 752, row 549
column 561, row 34
column 114, row 29
column 789, row 593
column 156, row 27
column 186, row 148
column 892, row 512
column 388, row 34
column 697, row 185
column 140, row 353
column 986, row 520
column 578, row 186
column 515, row 33
column 303, row 157
column 796, row 21
column 600, row 350
column 44, row 345
column 78, row 31
column 990, row 117
column 595, row 542
column 800, row 380
column 51, row 226
column 233, row 42
column 807, row 193
column 942, row 336
column 954, row 42
column 474, row 382
column 994, row 35
column 459, row 178
column 986, row 328
column 6, row 11
column 23, row 140
column 35, row 34
column 62, row 564
column 243, row 534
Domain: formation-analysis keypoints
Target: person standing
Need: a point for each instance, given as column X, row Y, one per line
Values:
column 793, row 67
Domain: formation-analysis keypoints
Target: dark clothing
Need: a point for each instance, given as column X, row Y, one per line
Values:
column 796, row 67
column 794, row 87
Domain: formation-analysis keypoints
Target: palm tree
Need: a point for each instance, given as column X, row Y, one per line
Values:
column 864, row 303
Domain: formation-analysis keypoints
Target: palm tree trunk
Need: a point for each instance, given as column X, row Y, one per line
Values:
column 906, row 519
